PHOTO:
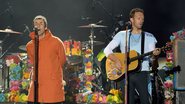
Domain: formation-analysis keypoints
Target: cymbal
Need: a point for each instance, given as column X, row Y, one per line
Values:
column 92, row 26
column 10, row 31
column 94, row 42
column 22, row 47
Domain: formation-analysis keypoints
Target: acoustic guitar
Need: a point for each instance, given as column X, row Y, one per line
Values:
column 114, row 73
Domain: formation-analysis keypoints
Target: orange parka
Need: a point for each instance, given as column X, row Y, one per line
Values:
column 50, row 73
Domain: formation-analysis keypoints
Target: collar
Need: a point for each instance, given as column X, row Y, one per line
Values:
column 47, row 35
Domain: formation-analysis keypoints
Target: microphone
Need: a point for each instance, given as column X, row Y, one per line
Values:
column 128, row 23
column 36, row 28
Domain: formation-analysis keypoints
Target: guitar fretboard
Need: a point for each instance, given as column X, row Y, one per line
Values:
column 148, row 53
column 140, row 56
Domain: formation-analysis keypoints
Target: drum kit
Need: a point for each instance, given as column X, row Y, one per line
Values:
column 74, row 49
column 76, row 52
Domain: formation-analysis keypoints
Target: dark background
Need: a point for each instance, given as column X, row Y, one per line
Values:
column 162, row 18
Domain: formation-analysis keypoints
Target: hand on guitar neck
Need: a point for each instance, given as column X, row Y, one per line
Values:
column 156, row 51
column 154, row 59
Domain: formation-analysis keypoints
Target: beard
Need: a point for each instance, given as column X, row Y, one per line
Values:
column 139, row 26
column 40, row 33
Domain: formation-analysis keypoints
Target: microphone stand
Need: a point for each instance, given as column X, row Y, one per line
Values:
column 154, row 81
column 126, row 63
column 36, row 52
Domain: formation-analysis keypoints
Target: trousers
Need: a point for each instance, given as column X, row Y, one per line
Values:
column 138, row 81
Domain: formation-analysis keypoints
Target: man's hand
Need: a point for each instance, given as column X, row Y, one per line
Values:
column 117, row 62
column 64, row 82
column 156, row 51
column 118, row 65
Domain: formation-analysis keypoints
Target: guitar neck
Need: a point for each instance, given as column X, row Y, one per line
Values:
column 149, row 53
column 141, row 56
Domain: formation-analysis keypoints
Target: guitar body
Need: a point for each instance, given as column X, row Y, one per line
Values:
column 113, row 73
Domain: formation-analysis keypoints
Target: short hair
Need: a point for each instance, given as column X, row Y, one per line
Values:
column 41, row 17
column 134, row 10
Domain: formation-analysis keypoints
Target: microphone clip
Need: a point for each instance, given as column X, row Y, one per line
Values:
column 128, row 23
column 36, row 29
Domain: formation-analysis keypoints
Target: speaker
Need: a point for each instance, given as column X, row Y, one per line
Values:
column 180, row 97
column 179, row 59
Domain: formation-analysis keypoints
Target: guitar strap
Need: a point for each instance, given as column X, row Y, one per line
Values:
column 142, row 42
column 142, row 46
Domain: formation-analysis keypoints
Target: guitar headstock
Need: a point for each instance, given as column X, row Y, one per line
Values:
column 168, row 47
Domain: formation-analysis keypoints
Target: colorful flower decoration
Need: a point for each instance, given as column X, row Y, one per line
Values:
column 19, row 72
column 2, row 97
column 88, row 62
column 116, row 97
column 179, row 34
column 23, row 98
column 168, row 84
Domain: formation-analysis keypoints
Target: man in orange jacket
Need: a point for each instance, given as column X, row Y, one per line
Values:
column 51, row 58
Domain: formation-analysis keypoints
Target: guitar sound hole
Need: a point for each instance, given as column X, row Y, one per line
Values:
column 114, row 71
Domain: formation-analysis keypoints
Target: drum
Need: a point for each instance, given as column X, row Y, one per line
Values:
column 73, row 51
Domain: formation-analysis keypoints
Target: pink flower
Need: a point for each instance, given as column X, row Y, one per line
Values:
column 168, row 84
column 168, row 102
